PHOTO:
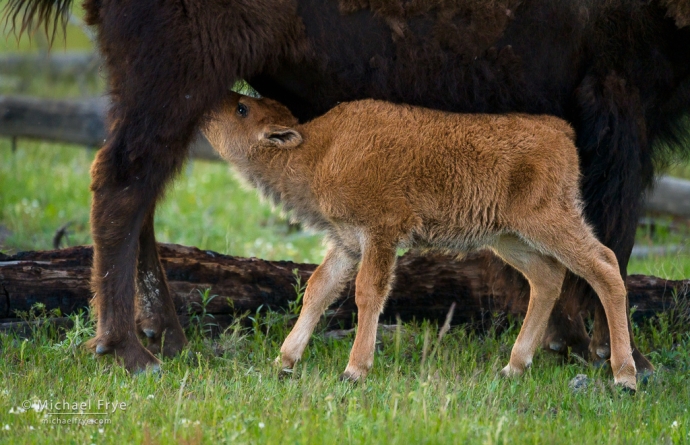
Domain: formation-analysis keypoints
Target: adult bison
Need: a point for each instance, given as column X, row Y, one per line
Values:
column 618, row 70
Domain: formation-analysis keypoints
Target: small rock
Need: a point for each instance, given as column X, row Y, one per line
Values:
column 579, row 383
column 556, row 346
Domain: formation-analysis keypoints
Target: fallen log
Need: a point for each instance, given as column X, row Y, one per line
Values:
column 481, row 285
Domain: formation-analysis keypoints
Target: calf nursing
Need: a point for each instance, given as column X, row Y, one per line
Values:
column 377, row 176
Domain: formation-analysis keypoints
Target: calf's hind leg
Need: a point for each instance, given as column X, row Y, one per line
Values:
column 575, row 246
column 545, row 275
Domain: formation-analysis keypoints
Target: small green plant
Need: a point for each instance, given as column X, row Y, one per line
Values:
column 38, row 320
column 199, row 320
column 295, row 306
column 83, row 328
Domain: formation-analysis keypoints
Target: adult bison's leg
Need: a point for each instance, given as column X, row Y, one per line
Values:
column 128, row 176
column 156, row 318
column 616, row 168
column 168, row 64
column 566, row 332
column 153, row 123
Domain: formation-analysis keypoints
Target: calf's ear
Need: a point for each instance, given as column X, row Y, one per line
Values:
column 282, row 137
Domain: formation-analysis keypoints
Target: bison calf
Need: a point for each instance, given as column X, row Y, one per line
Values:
column 377, row 176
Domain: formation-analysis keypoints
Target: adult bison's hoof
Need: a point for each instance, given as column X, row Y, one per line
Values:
column 153, row 369
column 602, row 353
column 168, row 340
column 644, row 367
column 132, row 354
column 599, row 355
column 566, row 342
column 555, row 346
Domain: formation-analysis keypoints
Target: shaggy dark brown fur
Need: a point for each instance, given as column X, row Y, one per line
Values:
column 617, row 70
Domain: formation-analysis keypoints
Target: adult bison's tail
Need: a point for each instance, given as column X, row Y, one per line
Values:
column 32, row 14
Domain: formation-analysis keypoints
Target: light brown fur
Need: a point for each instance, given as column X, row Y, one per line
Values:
column 377, row 176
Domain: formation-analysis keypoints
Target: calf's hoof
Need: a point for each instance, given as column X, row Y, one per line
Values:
column 510, row 371
column 284, row 371
column 353, row 374
column 132, row 354
column 515, row 369
column 285, row 361
column 627, row 382
column 627, row 386
column 625, row 376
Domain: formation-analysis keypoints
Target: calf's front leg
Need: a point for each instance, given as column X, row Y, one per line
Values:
column 323, row 287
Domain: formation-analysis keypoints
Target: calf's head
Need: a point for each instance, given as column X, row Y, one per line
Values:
column 241, row 125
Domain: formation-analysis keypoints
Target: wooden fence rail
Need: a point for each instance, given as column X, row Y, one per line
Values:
column 69, row 121
column 65, row 64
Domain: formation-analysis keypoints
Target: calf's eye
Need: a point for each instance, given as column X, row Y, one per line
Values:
column 242, row 110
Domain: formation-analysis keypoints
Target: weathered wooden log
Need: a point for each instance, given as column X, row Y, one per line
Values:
column 425, row 287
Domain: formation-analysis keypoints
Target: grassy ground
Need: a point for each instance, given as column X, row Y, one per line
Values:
column 421, row 390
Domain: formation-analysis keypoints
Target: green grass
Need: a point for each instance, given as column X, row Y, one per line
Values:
column 420, row 391
column 227, row 390
column 45, row 186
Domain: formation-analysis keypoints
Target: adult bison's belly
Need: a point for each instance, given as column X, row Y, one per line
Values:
column 488, row 59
